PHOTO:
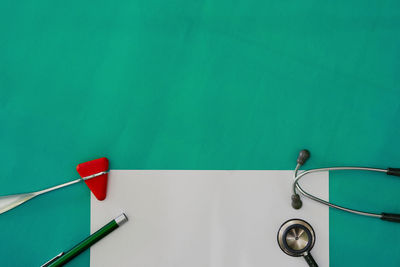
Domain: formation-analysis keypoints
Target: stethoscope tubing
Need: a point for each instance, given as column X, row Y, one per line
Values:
column 298, row 176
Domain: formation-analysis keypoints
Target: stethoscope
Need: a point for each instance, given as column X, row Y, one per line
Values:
column 296, row 237
column 304, row 155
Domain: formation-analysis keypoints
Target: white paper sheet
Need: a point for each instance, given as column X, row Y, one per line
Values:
column 204, row 218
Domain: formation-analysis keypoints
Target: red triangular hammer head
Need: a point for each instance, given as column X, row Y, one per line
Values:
column 98, row 185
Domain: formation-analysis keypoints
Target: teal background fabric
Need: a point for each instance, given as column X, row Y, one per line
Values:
column 197, row 85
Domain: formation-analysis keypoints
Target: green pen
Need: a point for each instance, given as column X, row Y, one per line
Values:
column 65, row 257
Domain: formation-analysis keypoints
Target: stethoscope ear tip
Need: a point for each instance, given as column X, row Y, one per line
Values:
column 304, row 155
column 296, row 201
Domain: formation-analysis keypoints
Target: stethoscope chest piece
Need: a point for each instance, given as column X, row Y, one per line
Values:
column 296, row 238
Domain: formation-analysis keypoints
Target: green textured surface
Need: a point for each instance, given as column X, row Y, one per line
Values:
column 197, row 85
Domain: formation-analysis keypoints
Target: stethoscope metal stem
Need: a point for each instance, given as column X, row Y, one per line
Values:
column 296, row 186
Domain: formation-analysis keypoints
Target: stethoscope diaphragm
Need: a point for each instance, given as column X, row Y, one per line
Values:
column 296, row 238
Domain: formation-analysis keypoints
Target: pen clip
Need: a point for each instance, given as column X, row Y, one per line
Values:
column 52, row 260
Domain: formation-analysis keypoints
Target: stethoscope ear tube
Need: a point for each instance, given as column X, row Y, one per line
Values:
column 304, row 155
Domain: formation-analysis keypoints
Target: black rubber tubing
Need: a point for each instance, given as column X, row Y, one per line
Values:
column 391, row 217
column 393, row 171
column 310, row 260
